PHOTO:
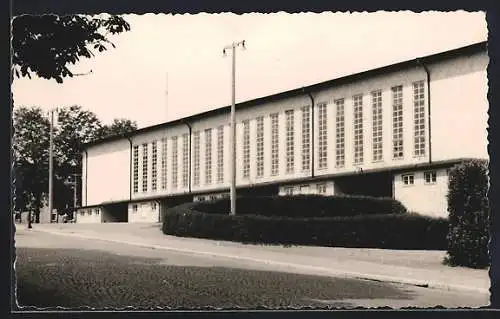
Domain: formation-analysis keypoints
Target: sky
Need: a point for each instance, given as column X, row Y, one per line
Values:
column 182, row 55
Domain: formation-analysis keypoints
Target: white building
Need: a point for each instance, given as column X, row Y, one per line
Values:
column 392, row 131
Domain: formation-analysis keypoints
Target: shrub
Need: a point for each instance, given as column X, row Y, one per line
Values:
column 303, row 206
column 468, row 207
column 391, row 231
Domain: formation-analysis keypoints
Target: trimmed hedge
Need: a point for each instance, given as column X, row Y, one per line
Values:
column 303, row 206
column 390, row 231
column 468, row 206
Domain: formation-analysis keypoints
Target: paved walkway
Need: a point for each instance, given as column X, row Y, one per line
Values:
column 422, row 268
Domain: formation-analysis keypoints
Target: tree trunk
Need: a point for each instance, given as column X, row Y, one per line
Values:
column 37, row 210
column 29, row 219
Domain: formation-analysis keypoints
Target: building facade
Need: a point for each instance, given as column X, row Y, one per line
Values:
column 393, row 131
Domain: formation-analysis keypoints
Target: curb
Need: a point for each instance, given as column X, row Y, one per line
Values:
column 329, row 271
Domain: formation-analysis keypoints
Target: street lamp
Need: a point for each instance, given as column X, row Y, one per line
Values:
column 51, row 164
column 233, row 47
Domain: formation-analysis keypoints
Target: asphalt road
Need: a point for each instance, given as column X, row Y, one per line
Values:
column 69, row 272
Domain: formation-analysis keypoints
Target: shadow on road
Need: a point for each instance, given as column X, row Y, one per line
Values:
column 74, row 278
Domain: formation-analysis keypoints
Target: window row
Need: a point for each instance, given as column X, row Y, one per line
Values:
column 318, row 188
column 95, row 211
column 152, row 206
column 174, row 152
column 429, row 178
column 290, row 149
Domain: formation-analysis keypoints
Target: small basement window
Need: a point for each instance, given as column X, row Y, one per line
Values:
column 321, row 187
column 430, row 177
column 134, row 208
column 408, row 179
column 289, row 191
column 153, row 206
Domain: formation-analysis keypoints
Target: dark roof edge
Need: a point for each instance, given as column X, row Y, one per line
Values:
column 470, row 49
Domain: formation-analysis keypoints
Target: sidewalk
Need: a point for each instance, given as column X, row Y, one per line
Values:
column 422, row 268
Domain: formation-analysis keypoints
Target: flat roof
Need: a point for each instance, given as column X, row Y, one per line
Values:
column 466, row 50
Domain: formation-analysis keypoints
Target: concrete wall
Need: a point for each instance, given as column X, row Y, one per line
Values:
column 105, row 173
column 422, row 198
column 89, row 215
column 144, row 212
column 460, row 107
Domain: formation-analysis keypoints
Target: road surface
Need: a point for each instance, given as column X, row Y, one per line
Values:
column 71, row 272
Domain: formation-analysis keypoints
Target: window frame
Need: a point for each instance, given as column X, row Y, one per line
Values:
column 339, row 133
column 432, row 179
column 208, row 156
column 410, row 181
column 145, row 173
column 274, row 144
column 290, row 141
column 397, row 122
column 377, row 126
column 358, row 125
column 322, row 136
column 306, row 138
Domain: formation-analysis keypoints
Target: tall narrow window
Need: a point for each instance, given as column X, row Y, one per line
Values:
column 419, row 118
column 306, row 138
column 246, row 149
column 260, row 146
column 358, row 129
column 377, row 128
column 290, row 148
column 144, row 167
column 196, row 159
column 397, row 122
column 136, row 168
column 322, row 136
column 274, row 144
column 164, row 163
column 154, row 166
column 340, row 133
column 185, row 159
column 220, row 154
column 175, row 159
column 208, row 156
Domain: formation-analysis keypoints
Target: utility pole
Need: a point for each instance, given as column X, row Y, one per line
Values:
column 51, row 168
column 233, row 47
column 74, row 184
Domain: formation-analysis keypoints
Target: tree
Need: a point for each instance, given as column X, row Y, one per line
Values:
column 75, row 127
column 45, row 45
column 469, row 215
column 118, row 127
column 31, row 160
